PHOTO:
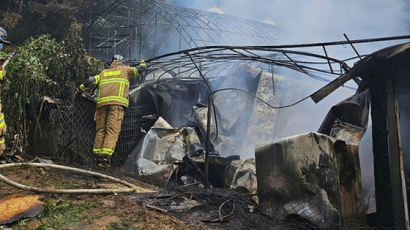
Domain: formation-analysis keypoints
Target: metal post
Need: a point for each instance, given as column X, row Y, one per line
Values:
column 179, row 48
column 130, row 30
column 115, row 41
column 140, row 29
column 208, row 139
column 155, row 32
column 328, row 61
column 106, row 42
column 351, row 44
column 208, row 124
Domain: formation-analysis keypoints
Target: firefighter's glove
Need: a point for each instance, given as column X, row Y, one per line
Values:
column 142, row 67
column 81, row 89
column 142, row 63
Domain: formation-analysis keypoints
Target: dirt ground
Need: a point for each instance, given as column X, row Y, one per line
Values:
column 155, row 209
column 83, row 211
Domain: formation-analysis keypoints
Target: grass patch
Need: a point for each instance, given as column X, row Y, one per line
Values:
column 62, row 214
column 65, row 213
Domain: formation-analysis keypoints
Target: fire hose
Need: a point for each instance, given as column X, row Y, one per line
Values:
column 132, row 187
column 8, row 59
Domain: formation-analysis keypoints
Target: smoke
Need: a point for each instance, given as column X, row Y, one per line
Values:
column 319, row 20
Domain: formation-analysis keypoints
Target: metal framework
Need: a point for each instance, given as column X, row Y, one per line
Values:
column 180, row 41
column 148, row 28
column 216, row 61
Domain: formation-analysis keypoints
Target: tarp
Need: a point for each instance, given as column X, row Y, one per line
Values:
column 348, row 119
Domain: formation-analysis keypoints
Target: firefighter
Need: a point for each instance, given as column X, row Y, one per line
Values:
column 112, row 100
column 3, row 127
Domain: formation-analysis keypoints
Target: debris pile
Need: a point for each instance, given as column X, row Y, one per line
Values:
column 301, row 177
column 311, row 175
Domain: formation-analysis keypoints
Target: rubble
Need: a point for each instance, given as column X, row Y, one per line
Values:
column 17, row 206
column 240, row 175
column 220, row 208
column 313, row 176
column 348, row 120
column 159, row 149
column 178, row 154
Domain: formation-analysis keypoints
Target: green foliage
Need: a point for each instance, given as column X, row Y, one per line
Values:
column 40, row 67
column 65, row 213
column 3, row 54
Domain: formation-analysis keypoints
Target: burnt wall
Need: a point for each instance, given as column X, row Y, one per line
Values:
column 380, row 148
column 403, row 96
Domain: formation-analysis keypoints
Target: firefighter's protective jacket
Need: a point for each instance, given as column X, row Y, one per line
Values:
column 2, row 73
column 113, row 84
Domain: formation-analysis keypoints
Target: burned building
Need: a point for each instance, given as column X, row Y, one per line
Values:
column 384, row 74
column 211, row 95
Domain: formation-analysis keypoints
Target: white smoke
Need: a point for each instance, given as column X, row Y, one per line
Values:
column 320, row 20
column 215, row 9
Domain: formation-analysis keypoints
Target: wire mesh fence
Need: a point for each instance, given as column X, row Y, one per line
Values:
column 61, row 125
column 134, row 126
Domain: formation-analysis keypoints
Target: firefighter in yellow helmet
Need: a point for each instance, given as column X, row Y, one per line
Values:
column 3, row 127
column 112, row 99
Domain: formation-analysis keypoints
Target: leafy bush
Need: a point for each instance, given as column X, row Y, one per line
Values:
column 40, row 68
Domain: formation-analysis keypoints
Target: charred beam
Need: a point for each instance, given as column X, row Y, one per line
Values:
column 398, row 183
column 331, row 87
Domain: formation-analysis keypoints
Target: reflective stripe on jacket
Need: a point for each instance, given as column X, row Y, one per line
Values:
column 113, row 84
column 2, row 121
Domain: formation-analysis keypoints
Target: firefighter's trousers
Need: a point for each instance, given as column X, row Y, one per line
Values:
column 108, row 119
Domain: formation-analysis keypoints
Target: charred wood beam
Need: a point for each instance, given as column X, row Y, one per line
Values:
column 391, row 197
column 380, row 151
column 332, row 86
column 398, row 183
column 347, row 68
